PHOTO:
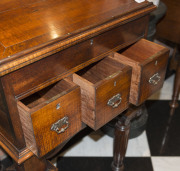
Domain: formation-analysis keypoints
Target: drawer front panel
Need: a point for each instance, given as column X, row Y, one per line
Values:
column 43, row 120
column 153, row 75
column 57, row 66
column 112, row 98
column 51, row 116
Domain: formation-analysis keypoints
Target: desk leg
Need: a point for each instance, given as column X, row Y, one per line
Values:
column 121, row 136
column 33, row 164
column 120, row 144
column 176, row 90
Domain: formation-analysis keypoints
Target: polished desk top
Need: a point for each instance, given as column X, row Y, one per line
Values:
column 31, row 25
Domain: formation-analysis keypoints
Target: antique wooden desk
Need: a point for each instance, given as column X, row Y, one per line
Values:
column 43, row 102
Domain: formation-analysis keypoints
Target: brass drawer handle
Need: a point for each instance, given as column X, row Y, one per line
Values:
column 115, row 101
column 155, row 79
column 58, row 126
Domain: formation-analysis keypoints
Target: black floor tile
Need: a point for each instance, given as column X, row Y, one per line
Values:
column 102, row 164
column 7, row 162
column 163, row 138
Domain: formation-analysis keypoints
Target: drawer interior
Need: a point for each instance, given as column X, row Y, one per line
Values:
column 48, row 94
column 100, row 70
column 142, row 50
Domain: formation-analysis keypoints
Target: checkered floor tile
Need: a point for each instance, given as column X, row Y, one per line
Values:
column 156, row 149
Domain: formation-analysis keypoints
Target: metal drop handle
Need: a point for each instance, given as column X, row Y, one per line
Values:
column 115, row 101
column 155, row 79
column 58, row 126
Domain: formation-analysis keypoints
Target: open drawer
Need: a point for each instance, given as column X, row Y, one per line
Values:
column 148, row 61
column 51, row 116
column 105, row 87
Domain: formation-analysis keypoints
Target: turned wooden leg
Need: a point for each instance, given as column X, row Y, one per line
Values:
column 121, row 136
column 120, row 144
column 176, row 90
column 33, row 164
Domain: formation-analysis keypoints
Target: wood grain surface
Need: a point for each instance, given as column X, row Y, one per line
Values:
column 38, row 112
column 37, row 24
column 46, row 71
column 146, row 58
column 99, row 83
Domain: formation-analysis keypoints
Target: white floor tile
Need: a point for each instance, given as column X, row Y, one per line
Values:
column 166, row 163
column 54, row 161
column 98, row 144
column 138, row 147
column 3, row 155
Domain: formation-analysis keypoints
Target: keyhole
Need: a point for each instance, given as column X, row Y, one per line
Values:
column 114, row 83
column 156, row 63
column 58, row 106
column 91, row 42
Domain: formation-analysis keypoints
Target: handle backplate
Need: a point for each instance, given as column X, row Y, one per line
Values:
column 155, row 79
column 61, row 125
column 115, row 101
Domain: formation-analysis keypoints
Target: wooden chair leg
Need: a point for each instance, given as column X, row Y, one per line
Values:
column 176, row 90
